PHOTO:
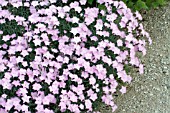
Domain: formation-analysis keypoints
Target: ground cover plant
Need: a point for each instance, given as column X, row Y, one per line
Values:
column 66, row 55
column 144, row 4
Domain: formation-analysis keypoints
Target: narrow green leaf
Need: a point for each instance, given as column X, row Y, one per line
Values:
column 140, row 5
column 90, row 1
column 161, row 2
column 102, row 7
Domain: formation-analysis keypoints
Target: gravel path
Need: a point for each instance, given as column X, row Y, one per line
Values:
column 150, row 93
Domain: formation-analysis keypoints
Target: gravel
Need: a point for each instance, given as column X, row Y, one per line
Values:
column 150, row 92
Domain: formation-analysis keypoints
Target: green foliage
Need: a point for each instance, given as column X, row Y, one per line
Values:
column 144, row 4
column 11, row 27
column 90, row 1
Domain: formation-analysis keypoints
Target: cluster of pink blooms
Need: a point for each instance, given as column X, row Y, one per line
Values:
column 48, row 61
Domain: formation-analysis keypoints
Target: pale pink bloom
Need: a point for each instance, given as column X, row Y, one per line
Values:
column 81, row 97
column 74, row 31
column 114, row 108
column 37, row 42
column 38, row 100
column 119, row 59
column 111, row 17
column 2, row 67
column 141, row 69
column 26, row 98
column 129, row 37
column 75, row 19
column 124, row 19
column 54, row 89
column 88, row 105
column 92, row 80
column 6, row 38
column 64, row 1
column 119, row 42
column 119, row 67
column 83, row 2
column 5, row 46
column 1, row 32
column 76, row 39
column 39, row 108
column 34, row 3
column 99, row 24
column 48, row 111
column 62, row 106
column 37, row 86
column 103, row 13
column 52, row 1
column 9, row 104
column 24, row 53
column 72, row 96
column 123, row 90
column 66, row 8
column 51, row 98
column 46, row 101
column 150, row 40
column 26, row 4
column 93, row 97
column 78, row 9
column 88, row 55
column 25, row 63
column 129, row 79
column 100, row 1
column 25, row 85
column 2, row 101
column 116, row 50
column 85, row 75
column 138, row 15
column 81, row 106
column 94, row 38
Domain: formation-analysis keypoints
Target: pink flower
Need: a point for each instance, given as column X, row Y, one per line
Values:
column 74, row 31
column 88, row 104
column 93, row 97
column 141, row 69
column 26, row 98
column 72, row 96
column 1, row 32
column 64, row 1
column 39, row 108
column 138, row 15
column 111, row 17
column 123, row 90
column 99, row 24
column 16, row 83
column 53, row 1
column 129, row 37
column 62, row 106
column 114, row 108
column 46, row 101
column 37, row 86
column 81, row 106
column 75, row 19
column 100, row 1
column 119, row 42
column 24, row 53
column 48, row 111
column 94, row 38
column 37, row 42
column 92, row 80
column 83, row 2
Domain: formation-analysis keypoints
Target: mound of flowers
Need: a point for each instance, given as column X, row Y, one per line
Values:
column 66, row 55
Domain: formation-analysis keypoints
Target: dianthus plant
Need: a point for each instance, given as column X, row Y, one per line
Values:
column 66, row 56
